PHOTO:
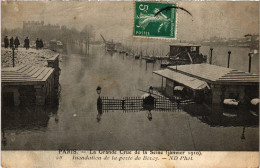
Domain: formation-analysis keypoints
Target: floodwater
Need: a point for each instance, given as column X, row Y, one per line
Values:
column 73, row 124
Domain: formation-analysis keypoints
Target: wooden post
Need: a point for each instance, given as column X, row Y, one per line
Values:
column 249, row 68
column 88, row 45
column 211, row 51
column 176, row 65
column 13, row 55
column 229, row 52
column 162, row 83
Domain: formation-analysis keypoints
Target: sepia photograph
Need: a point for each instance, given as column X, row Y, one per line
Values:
column 132, row 75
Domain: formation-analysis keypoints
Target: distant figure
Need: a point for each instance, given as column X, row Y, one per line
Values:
column 11, row 42
column 16, row 42
column 37, row 44
column 148, row 103
column 41, row 43
column 27, row 43
column 6, row 41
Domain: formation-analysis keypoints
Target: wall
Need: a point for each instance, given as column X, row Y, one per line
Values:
column 54, row 63
column 169, row 88
column 27, row 95
column 239, row 92
column 45, row 92
column 14, row 90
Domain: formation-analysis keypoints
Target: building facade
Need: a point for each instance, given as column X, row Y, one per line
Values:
column 212, row 83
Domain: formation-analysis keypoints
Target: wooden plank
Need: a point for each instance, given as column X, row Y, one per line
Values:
column 53, row 58
column 241, row 81
column 238, row 72
column 17, row 80
column 23, row 83
column 37, row 73
column 10, row 72
column 28, row 70
column 33, row 71
column 47, row 75
column 43, row 74
column 236, row 80
column 20, row 67
column 238, row 83
column 231, row 75
column 245, row 77
column 6, row 78
column 23, row 69
column 15, row 75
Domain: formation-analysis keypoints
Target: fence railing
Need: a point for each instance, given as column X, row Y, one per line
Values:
column 135, row 104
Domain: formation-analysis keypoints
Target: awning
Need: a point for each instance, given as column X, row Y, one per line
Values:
column 188, row 81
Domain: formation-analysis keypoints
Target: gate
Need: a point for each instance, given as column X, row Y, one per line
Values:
column 135, row 104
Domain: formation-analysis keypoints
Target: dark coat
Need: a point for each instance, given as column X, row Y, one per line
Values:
column 26, row 43
column 6, row 41
column 37, row 44
column 41, row 43
column 16, row 42
column 11, row 42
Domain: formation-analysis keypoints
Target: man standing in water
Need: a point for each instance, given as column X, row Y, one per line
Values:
column 6, row 41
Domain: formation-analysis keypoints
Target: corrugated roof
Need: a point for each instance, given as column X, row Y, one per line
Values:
column 25, row 74
column 215, row 73
column 190, row 82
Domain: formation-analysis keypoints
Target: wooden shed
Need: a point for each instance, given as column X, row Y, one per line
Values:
column 27, row 85
column 224, row 83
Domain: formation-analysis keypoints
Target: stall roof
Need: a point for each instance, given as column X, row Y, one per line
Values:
column 190, row 82
column 217, row 74
column 25, row 75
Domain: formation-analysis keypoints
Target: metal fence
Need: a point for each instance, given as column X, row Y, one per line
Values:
column 135, row 104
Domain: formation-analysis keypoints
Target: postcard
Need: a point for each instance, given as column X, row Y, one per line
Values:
column 129, row 84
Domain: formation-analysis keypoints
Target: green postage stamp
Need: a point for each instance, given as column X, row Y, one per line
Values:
column 154, row 19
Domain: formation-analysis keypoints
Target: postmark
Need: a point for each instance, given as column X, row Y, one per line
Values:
column 151, row 21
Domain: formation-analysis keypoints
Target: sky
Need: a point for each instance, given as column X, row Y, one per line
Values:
column 115, row 19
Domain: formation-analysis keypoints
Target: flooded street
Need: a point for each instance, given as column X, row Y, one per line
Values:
column 73, row 124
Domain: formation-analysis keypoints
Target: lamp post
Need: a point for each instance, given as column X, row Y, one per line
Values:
column 98, row 91
column 176, row 65
column 250, row 55
column 176, row 60
column 13, row 55
column 150, row 90
column 99, row 104
column 211, row 51
column 229, row 52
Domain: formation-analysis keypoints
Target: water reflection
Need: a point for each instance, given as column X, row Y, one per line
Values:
column 30, row 118
column 99, row 108
column 219, row 116
column 149, row 116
